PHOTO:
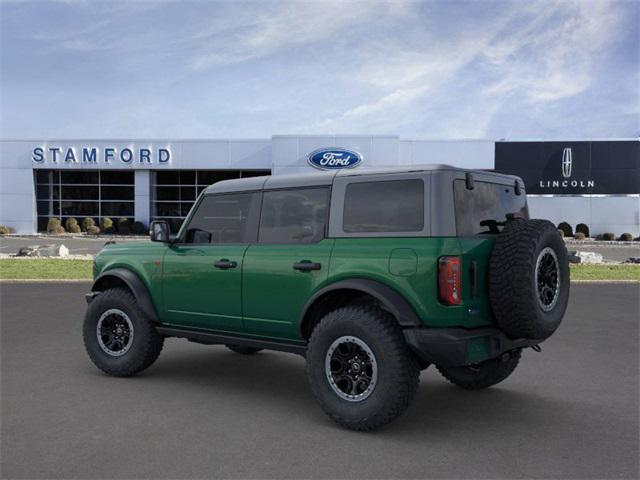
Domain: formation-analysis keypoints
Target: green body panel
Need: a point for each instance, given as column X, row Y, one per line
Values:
column 273, row 293
column 142, row 258
column 264, row 296
column 477, row 249
column 390, row 261
column 196, row 294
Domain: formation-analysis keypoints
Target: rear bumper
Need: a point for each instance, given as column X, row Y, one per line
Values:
column 452, row 347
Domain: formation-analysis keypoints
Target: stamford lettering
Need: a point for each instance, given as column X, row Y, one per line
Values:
column 108, row 155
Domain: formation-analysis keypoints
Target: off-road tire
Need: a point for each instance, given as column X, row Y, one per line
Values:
column 483, row 375
column 513, row 291
column 145, row 345
column 243, row 350
column 398, row 372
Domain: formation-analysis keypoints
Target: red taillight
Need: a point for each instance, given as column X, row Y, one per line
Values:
column 449, row 280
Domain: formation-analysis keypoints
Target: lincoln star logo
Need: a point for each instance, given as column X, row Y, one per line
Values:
column 567, row 160
column 334, row 158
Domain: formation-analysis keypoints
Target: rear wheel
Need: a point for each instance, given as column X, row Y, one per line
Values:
column 119, row 338
column 482, row 375
column 242, row 349
column 360, row 368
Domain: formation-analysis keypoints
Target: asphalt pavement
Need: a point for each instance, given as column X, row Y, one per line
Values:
column 203, row 411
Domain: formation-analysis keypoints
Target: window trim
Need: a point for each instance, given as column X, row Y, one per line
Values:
column 325, row 233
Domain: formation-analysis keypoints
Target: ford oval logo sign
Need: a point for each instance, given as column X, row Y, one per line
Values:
column 334, row 158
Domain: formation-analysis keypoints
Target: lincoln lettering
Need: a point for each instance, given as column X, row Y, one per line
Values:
column 567, row 183
column 106, row 155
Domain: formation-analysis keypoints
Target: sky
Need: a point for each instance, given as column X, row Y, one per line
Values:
column 420, row 70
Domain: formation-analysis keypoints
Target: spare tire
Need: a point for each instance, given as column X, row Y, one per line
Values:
column 529, row 279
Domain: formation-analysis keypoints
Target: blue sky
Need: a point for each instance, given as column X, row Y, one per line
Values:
column 423, row 70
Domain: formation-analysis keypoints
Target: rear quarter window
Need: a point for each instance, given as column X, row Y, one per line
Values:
column 384, row 206
column 486, row 202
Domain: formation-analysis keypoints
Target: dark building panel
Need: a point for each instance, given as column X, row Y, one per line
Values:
column 587, row 167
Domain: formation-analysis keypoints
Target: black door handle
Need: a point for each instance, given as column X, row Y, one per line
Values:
column 306, row 266
column 225, row 264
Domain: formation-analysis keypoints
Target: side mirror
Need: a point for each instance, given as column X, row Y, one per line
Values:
column 159, row 231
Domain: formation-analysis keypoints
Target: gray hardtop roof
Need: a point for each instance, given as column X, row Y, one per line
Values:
column 322, row 178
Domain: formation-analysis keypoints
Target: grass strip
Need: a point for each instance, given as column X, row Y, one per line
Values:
column 605, row 272
column 49, row 268
column 36, row 269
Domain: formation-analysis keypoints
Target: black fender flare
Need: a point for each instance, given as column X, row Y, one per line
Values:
column 390, row 299
column 135, row 284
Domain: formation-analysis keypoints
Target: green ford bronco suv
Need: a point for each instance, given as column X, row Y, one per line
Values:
column 372, row 275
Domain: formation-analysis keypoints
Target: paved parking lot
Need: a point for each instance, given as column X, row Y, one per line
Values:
column 76, row 245
column 569, row 412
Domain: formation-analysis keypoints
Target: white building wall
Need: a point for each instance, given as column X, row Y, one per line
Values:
column 290, row 152
column 616, row 214
column 459, row 153
column 17, row 188
column 142, row 196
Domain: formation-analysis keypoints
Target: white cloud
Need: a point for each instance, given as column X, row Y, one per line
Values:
column 286, row 25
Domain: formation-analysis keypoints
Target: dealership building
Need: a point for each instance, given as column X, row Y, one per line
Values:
column 596, row 182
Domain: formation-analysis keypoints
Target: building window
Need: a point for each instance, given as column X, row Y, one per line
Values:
column 89, row 193
column 175, row 191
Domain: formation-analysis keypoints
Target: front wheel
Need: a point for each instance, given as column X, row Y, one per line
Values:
column 360, row 368
column 119, row 338
column 482, row 375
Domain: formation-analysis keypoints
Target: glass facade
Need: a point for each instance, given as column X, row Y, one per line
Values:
column 86, row 193
column 175, row 191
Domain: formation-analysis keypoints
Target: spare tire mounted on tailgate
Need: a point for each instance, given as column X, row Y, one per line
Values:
column 529, row 279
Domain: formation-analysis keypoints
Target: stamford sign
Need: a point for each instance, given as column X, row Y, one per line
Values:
column 95, row 155
column 334, row 158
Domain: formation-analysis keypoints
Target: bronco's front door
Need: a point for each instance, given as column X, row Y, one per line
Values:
column 202, row 271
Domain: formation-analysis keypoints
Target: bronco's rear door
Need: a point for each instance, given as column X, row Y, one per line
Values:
column 289, row 262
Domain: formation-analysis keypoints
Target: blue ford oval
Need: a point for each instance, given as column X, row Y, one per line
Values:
column 334, row 158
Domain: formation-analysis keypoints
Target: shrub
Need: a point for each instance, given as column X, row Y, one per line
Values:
column 626, row 237
column 138, row 228
column 57, row 230
column 71, row 225
column 579, row 236
column 88, row 222
column 124, row 226
column 561, row 233
column 566, row 228
column 107, row 225
column 93, row 230
column 607, row 236
column 53, row 224
column 4, row 230
column 583, row 228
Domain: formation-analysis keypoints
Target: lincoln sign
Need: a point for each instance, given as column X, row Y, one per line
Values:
column 574, row 168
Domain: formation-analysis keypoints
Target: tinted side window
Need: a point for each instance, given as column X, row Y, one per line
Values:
column 294, row 216
column 385, row 206
column 486, row 202
column 224, row 219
